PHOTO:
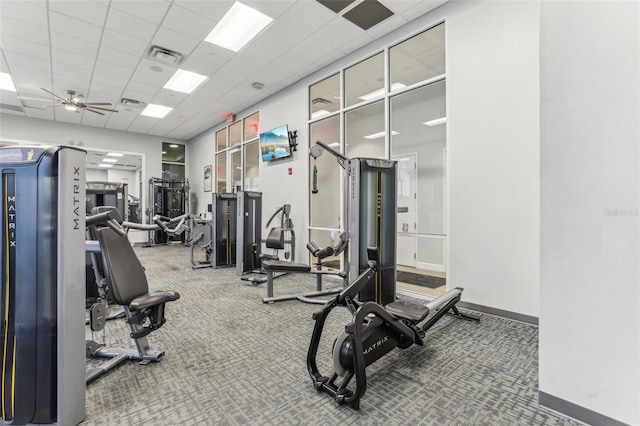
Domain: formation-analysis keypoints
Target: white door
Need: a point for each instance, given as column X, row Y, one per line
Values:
column 407, row 210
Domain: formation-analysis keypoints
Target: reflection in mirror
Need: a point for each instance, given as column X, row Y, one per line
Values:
column 252, row 166
column 364, row 131
column 325, row 203
column 236, row 171
column 251, row 126
column 221, row 172
column 364, row 81
column 221, row 139
column 417, row 59
column 419, row 116
column 324, row 97
column 115, row 179
column 235, row 133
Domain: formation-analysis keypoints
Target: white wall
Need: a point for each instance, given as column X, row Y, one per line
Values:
column 493, row 149
column 18, row 128
column 492, row 86
column 97, row 175
column 590, row 202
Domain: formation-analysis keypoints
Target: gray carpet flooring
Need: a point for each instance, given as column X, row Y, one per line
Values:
column 232, row 360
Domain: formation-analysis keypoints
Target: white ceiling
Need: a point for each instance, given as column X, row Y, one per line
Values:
column 99, row 48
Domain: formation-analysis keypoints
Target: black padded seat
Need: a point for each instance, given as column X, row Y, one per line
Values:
column 267, row 256
column 150, row 300
column 284, row 266
column 407, row 310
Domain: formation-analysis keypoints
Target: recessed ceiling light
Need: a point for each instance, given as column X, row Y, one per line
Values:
column 105, row 165
column 334, row 144
column 380, row 135
column 319, row 113
column 157, row 111
column 173, row 145
column 376, row 93
column 6, row 83
column 185, row 81
column 435, row 122
column 164, row 152
column 238, row 27
column 109, row 160
column 114, row 154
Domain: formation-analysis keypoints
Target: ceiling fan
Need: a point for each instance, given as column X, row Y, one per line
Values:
column 74, row 102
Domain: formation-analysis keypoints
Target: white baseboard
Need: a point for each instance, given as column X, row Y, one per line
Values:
column 430, row 266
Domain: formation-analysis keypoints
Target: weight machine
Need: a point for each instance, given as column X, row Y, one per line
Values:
column 168, row 198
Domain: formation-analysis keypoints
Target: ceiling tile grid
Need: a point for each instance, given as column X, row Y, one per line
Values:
column 100, row 48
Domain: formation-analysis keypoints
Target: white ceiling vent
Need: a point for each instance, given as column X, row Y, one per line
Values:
column 164, row 55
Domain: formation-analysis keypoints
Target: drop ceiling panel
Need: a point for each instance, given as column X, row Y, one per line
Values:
column 307, row 16
column 201, row 66
column 68, row 58
column 99, row 48
column 142, row 87
column 142, row 124
column 72, row 27
column 336, row 32
column 87, row 11
column 258, row 54
column 129, row 25
column 17, row 59
column 124, row 43
column 23, row 31
column 12, row 44
column 272, row 8
column 188, row 23
column 282, row 35
column 169, row 98
column 150, row 11
column 127, row 60
column 73, row 44
column 95, row 120
column 39, row 113
column 421, row 8
column 68, row 116
column 213, row 10
column 31, row 13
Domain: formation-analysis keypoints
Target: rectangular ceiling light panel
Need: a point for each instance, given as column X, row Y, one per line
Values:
column 185, row 81
column 6, row 83
column 238, row 26
column 157, row 111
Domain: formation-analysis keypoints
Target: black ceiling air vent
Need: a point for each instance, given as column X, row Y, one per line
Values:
column 320, row 101
column 131, row 103
column 164, row 55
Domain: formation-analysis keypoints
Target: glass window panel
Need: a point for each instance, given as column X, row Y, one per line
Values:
column 235, row 133
column 221, row 139
column 364, row 131
column 221, row 171
column 324, row 97
column 364, row 81
column 325, row 204
column 426, row 145
column 173, row 152
column 236, row 170
column 252, row 166
column 252, row 126
column 172, row 171
column 417, row 59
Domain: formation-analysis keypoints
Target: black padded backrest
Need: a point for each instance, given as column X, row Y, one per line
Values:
column 102, row 209
column 125, row 275
column 275, row 239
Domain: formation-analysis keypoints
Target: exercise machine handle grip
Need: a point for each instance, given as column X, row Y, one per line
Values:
column 314, row 188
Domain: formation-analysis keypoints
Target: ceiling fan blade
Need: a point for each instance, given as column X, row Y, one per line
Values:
column 51, row 93
column 31, row 107
column 101, row 109
column 88, row 109
column 96, row 103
